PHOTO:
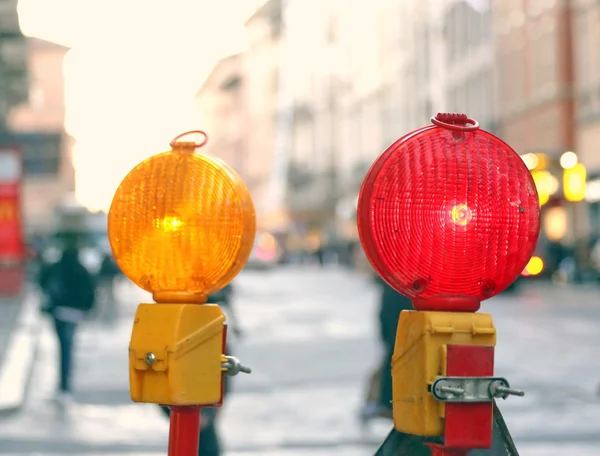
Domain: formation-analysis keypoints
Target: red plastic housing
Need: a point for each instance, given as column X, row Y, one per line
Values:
column 448, row 219
column 469, row 425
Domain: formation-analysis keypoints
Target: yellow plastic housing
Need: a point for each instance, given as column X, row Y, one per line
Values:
column 181, row 225
column 420, row 358
column 184, row 344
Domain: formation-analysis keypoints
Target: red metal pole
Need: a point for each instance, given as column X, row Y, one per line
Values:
column 184, row 432
column 441, row 450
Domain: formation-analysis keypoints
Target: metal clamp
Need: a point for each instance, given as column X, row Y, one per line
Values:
column 232, row 366
column 472, row 389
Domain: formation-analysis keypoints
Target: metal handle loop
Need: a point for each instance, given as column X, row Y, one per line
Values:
column 191, row 132
column 455, row 122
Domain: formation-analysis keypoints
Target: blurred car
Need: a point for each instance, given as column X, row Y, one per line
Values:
column 266, row 252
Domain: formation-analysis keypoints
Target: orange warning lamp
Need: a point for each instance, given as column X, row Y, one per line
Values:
column 181, row 224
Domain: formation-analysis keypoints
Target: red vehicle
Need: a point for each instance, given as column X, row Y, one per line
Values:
column 12, row 245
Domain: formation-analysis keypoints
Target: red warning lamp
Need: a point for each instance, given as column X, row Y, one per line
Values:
column 449, row 215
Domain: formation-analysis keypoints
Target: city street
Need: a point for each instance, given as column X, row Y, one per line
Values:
column 310, row 338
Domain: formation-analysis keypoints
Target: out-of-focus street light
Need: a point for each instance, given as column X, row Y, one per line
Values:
column 568, row 160
column 535, row 161
column 592, row 191
column 530, row 160
column 546, row 184
column 555, row 223
column 574, row 182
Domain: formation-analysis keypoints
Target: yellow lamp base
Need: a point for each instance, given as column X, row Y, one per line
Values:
column 420, row 357
column 175, row 354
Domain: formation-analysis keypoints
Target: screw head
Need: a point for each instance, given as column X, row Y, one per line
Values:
column 150, row 359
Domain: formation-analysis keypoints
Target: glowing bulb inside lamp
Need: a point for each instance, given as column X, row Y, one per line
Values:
column 460, row 214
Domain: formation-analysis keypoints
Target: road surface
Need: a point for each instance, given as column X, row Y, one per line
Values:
column 310, row 338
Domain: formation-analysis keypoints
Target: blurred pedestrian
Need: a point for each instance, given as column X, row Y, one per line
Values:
column 320, row 255
column 224, row 297
column 556, row 253
column 107, row 275
column 69, row 291
column 595, row 258
column 379, row 396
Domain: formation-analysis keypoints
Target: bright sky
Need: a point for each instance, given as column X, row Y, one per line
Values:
column 131, row 75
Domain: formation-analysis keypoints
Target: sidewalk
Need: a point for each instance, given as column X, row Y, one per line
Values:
column 19, row 330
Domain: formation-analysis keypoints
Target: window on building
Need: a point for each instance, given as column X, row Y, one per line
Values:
column 449, row 38
column 582, row 50
column 536, row 7
column 428, row 110
column 462, row 26
column 486, row 24
column 275, row 26
column 450, row 99
column 487, row 93
column 319, row 148
column 407, row 30
column 472, row 24
column 513, row 80
column 37, row 97
column 312, row 147
column 345, row 142
column 41, row 153
column 13, row 52
column 332, row 32
column 470, row 95
column 383, row 48
column 425, row 53
column 357, row 133
column 594, row 44
column 509, row 15
column 366, row 128
column 543, row 72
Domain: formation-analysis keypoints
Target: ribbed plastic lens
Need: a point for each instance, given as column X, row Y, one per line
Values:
column 181, row 222
column 439, row 216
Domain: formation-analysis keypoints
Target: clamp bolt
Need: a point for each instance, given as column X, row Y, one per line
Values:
column 501, row 389
column 233, row 366
column 150, row 358
column 451, row 390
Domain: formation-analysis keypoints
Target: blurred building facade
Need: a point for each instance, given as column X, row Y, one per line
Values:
column 312, row 90
column 525, row 70
column 222, row 115
column 238, row 107
column 469, row 61
column 534, row 44
column 347, row 95
column 261, row 62
column 392, row 79
column 586, row 43
column 37, row 127
column 533, row 64
column 13, row 62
